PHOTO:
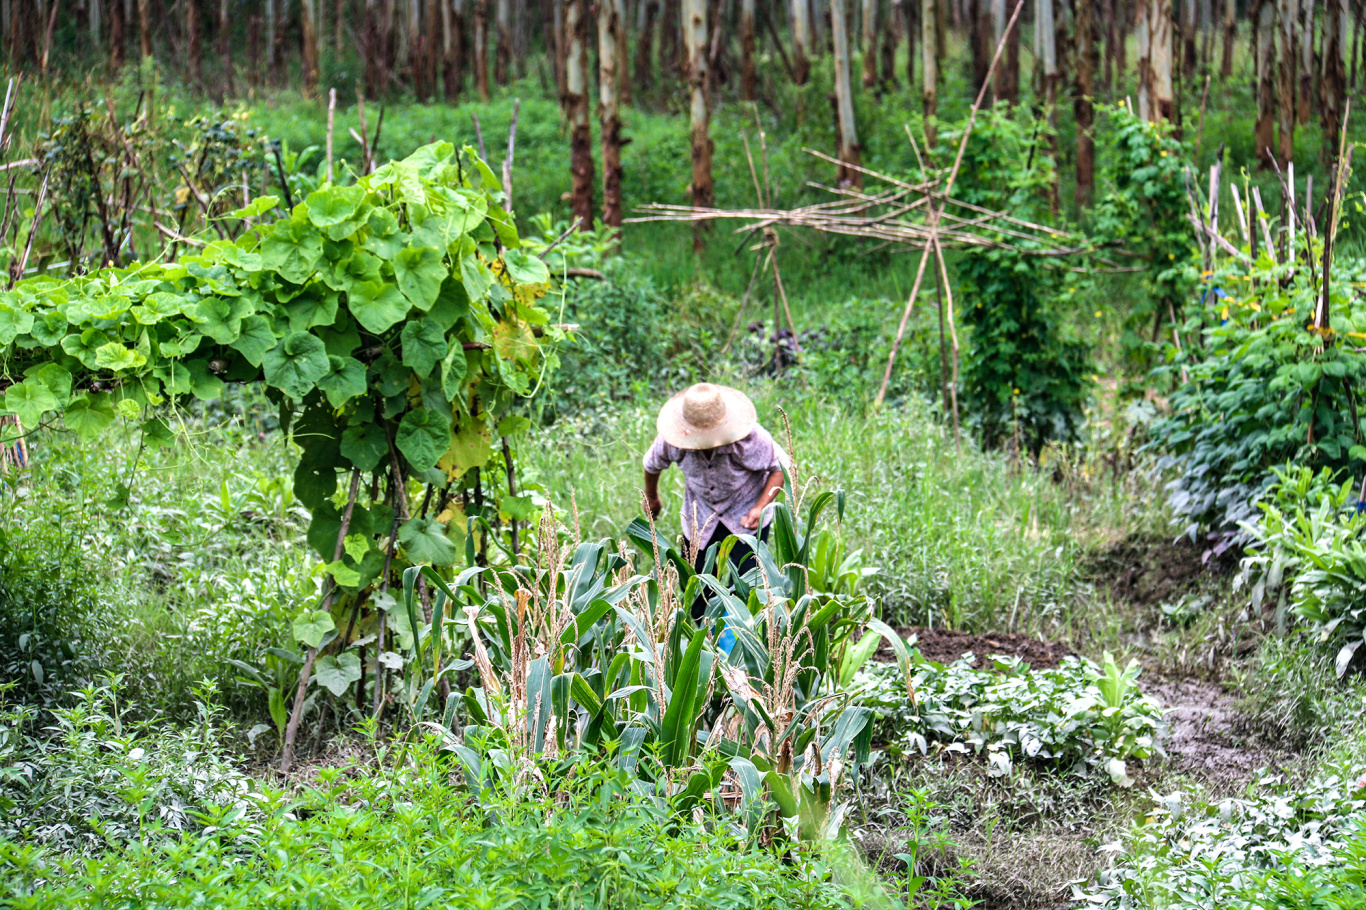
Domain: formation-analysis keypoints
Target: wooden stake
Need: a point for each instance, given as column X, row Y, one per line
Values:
column 331, row 115
column 507, row 167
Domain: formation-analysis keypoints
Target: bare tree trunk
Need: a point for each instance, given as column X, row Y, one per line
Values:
column 1307, row 69
column 340, row 13
column 623, row 53
column 1110, row 30
column 561, row 48
column 891, row 37
column 576, row 30
column 1230, row 36
column 929, row 62
column 1082, row 105
column 979, row 36
column 118, row 35
column 1046, row 47
column 1285, row 82
column 699, row 113
column 1333, row 83
column 481, row 50
column 1156, row 97
column 309, row 22
column 372, row 50
column 844, row 99
column 1264, row 17
column 609, row 110
column 801, row 40
column 145, row 27
column 645, row 48
column 870, row 43
column 194, row 63
column 749, row 75
column 910, row 20
column 672, row 57
column 1356, row 40
column 502, row 57
column 452, row 49
column 1190, row 57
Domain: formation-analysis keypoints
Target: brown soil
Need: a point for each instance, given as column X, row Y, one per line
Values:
column 945, row 646
column 1202, row 740
column 1147, row 571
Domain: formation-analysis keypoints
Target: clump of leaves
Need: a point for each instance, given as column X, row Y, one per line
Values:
column 1078, row 717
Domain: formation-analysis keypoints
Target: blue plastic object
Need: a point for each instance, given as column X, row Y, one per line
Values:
column 726, row 640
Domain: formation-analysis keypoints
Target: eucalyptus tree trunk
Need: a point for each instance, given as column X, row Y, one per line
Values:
column 577, row 35
column 223, row 43
column 1333, row 81
column 870, row 43
column 609, row 109
column 340, row 13
column 979, row 36
column 1305, row 37
column 1230, row 36
column 749, row 75
column 1006, row 81
column 274, row 43
column 1264, row 40
column 145, row 27
column 502, row 56
column 194, row 56
column 561, row 34
column 644, row 80
column 1356, row 41
column 452, row 47
column 1156, row 99
column 699, row 113
column 118, row 35
column 801, row 40
column 309, row 24
column 891, row 37
column 929, row 73
column 1190, row 57
column 673, row 56
column 623, row 52
column 372, row 49
column 1285, row 81
column 481, row 48
column 844, row 99
column 1082, row 104
column 1046, row 49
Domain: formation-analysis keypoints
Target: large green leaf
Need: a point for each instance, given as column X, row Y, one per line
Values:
column 525, row 269
column 114, row 356
column 293, row 249
column 310, row 627
column 420, row 271
column 30, row 399
column 337, row 672
column 424, row 344
column 334, row 205
column 57, row 378
column 345, row 380
column 13, row 323
column 425, row 541
column 377, row 306
column 295, row 365
column 255, row 339
column 423, row 438
column 88, row 415
column 364, row 445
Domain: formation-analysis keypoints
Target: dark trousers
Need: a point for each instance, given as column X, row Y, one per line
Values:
column 741, row 559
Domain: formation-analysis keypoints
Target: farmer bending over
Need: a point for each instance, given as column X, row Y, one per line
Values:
column 732, row 469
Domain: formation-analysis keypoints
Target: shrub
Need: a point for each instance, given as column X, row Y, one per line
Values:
column 1076, row 717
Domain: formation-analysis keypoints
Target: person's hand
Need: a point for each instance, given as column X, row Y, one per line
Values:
column 752, row 518
column 653, row 506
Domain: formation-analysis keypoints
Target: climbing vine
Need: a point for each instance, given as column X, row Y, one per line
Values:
column 395, row 323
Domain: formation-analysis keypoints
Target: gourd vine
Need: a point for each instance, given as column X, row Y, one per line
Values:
column 395, row 323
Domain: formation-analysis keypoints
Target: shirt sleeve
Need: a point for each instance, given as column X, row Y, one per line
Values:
column 660, row 456
column 762, row 454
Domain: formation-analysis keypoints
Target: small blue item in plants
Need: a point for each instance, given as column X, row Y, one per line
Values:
column 725, row 641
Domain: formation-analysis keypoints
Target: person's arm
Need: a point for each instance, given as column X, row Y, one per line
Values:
column 771, row 488
column 652, row 504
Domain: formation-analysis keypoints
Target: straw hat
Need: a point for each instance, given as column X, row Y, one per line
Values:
column 706, row 416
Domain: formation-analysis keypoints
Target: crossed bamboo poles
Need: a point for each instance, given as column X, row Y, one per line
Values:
column 904, row 216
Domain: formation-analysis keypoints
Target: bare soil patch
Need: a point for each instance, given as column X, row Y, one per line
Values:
column 1147, row 571
column 1203, row 741
column 944, row 646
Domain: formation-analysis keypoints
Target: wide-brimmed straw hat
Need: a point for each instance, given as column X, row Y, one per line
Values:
column 705, row 416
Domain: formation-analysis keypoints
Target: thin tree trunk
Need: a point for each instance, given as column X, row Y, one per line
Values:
column 1110, row 28
column 1265, row 39
column 979, row 36
column 561, row 49
column 309, row 22
column 844, row 99
column 749, row 75
column 1230, row 36
column 1285, row 81
column 891, row 37
column 1046, row 47
column 1333, row 82
column 1122, row 27
column 801, row 40
column 870, row 43
column 1356, row 40
column 645, row 48
column 609, row 111
column 1157, row 99
column 145, row 27
column 1190, row 57
column 929, row 62
column 910, row 17
column 452, row 49
column 576, row 27
column 194, row 63
column 1307, row 68
column 118, row 35
column 672, row 57
column 502, row 57
column 371, row 50
column 699, row 114
column 481, row 49
column 340, row 13
column 623, row 53
column 1082, row 105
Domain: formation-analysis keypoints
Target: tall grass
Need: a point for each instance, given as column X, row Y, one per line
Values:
column 964, row 539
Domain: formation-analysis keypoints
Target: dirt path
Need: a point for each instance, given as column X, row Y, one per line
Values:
column 1202, row 741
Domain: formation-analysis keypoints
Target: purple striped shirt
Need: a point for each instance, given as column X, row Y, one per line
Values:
column 720, row 484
